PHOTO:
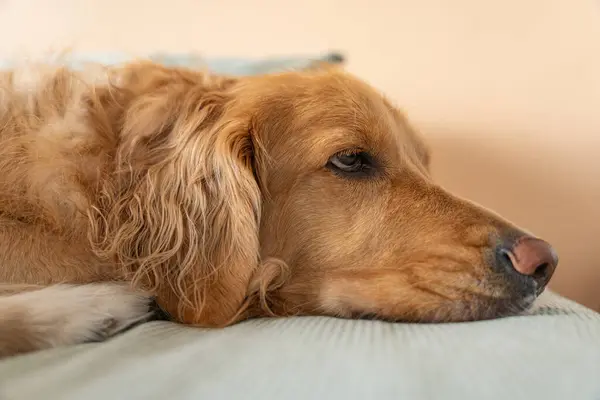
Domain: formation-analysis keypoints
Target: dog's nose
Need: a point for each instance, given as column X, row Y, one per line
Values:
column 531, row 257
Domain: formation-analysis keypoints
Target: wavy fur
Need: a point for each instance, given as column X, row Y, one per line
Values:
column 181, row 212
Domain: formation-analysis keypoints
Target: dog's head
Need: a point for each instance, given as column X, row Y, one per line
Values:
column 299, row 193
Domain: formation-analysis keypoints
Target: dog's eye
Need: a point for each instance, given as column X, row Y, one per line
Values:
column 347, row 162
column 351, row 164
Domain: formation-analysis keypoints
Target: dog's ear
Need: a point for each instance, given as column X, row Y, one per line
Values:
column 181, row 213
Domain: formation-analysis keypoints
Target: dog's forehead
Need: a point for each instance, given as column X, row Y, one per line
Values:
column 372, row 119
column 316, row 114
column 345, row 108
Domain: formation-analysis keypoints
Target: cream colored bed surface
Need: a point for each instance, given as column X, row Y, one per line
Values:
column 552, row 354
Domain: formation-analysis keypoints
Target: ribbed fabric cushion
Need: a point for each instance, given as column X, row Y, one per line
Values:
column 554, row 353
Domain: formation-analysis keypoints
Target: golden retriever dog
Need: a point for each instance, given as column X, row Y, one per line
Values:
column 223, row 199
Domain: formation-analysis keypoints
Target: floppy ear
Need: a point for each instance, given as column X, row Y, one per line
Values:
column 181, row 213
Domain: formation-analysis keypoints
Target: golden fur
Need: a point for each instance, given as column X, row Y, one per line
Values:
column 214, row 195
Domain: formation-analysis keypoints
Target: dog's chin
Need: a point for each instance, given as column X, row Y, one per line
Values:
column 488, row 308
column 466, row 308
column 478, row 309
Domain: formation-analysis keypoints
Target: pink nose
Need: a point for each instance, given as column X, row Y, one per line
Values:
column 533, row 257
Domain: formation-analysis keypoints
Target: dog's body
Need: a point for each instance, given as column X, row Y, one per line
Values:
column 298, row 193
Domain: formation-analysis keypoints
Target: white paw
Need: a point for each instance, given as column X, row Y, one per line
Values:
column 69, row 314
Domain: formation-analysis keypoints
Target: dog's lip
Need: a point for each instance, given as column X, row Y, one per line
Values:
column 518, row 298
column 540, row 289
column 517, row 304
column 501, row 307
column 505, row 305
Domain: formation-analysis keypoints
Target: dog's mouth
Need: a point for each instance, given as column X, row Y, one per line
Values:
column 484, row 307
column 489, row 301
column 478, row 308
column 506, row 306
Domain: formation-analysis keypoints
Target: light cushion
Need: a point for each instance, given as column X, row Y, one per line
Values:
column 554, row 353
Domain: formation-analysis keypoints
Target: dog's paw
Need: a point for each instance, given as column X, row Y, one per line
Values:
column 68, row 314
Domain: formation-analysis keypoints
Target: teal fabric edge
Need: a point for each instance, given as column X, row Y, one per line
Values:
column 223, row 65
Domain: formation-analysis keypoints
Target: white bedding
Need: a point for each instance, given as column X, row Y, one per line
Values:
column 552, row 354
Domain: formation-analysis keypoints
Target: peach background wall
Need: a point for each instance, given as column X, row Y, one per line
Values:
column 508, row 91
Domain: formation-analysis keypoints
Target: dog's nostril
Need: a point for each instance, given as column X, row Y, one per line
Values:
column 541, row 272
column 505, row 255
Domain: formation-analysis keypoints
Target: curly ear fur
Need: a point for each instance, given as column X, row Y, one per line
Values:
column 182, row 211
